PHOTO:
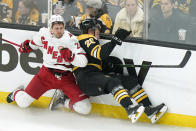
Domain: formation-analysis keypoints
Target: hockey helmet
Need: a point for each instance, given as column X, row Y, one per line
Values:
column 87, row 24
column 55, row 19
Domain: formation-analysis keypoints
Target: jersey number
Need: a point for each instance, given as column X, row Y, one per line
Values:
column 77, row 45
column 89, row 42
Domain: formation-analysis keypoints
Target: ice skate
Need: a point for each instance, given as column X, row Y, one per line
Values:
column 155, row 113
column 10, row 97
column 58, row 98
column 134, row 112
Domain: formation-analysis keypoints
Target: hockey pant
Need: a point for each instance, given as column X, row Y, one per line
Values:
column 46, row 80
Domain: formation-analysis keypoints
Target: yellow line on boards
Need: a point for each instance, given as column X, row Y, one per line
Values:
column 119, row 113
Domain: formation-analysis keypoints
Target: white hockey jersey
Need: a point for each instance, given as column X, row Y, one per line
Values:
column 49, row 45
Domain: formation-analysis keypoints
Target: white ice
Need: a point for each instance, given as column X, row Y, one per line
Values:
column 12, row 118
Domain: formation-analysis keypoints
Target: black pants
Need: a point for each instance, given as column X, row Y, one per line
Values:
column 127, row 81
column 94, row 83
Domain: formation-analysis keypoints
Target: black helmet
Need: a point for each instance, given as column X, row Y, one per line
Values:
column 87, row 24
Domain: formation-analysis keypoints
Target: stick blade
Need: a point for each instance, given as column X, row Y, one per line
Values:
column 185, row 59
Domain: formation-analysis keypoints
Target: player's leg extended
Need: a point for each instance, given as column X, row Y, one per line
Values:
column 140, row 96
column 37, row 86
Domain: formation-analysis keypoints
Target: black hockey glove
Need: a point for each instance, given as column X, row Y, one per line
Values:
column 120, row 35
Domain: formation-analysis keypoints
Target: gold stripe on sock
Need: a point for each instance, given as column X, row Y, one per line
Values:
column 122, row 97
column 119, row 93
column 137, row 93
column 143, row 97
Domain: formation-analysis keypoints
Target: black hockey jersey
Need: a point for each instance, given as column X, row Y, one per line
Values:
column 94, row 51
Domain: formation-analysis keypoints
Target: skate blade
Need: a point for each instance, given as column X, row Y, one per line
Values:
column 158, row 115
column 136, row 116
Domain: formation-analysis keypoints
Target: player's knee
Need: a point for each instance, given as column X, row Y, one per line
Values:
column 23, row 99
column 83, row 107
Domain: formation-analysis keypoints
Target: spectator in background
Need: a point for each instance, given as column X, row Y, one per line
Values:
column 182, row 5
column 139, row 2
column 8, row 2
column 131, row 18
column 6, row 11
column 95, row 11
column 70, row 10
column 166, row 22
column 27, row 13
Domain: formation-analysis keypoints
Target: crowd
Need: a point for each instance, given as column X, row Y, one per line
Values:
column 110, row 14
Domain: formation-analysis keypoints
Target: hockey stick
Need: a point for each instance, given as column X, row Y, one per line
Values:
column 15, row 43
column 11, row 42
column 181, row 65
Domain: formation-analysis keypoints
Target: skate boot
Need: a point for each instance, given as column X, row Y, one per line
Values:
column 134, row 112
column 58, row 98
column 10, row 97
column 155, row 113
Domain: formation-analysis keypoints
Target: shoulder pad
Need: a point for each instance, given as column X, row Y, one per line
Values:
column 85, row 36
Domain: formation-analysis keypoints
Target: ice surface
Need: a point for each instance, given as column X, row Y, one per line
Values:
column 13, row 118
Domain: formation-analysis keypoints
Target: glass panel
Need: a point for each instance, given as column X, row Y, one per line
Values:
column 164, row 20
column 27, row 12
column 129, row 15
column 173, row 21
column 71, row 10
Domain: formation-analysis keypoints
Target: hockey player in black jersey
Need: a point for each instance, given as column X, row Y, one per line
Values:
column 93, row 82
column 91, row 79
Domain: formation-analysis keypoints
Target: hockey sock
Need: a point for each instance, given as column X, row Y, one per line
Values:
column 140, row 96
column 121, row 96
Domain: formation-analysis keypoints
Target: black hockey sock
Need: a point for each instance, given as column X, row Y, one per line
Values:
column 140, row 96
column 121, row 96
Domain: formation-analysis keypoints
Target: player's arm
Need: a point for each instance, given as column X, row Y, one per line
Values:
column 74, row 54
column 94, row 48
column 29, row 45
column 38, row 40
column 98, row 51
column 80, row 55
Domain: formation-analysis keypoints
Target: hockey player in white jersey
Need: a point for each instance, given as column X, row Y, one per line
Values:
column 61, row 51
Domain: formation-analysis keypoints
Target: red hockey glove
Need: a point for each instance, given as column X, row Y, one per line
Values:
column 67, row 55
column 25, row 48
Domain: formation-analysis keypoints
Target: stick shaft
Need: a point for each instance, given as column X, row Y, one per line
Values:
column 181, row 65
column 11, row 42
column 16, row 44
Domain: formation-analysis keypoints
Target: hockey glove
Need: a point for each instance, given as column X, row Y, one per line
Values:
column 67, row 55
column 119, row 36
column 25, row 48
